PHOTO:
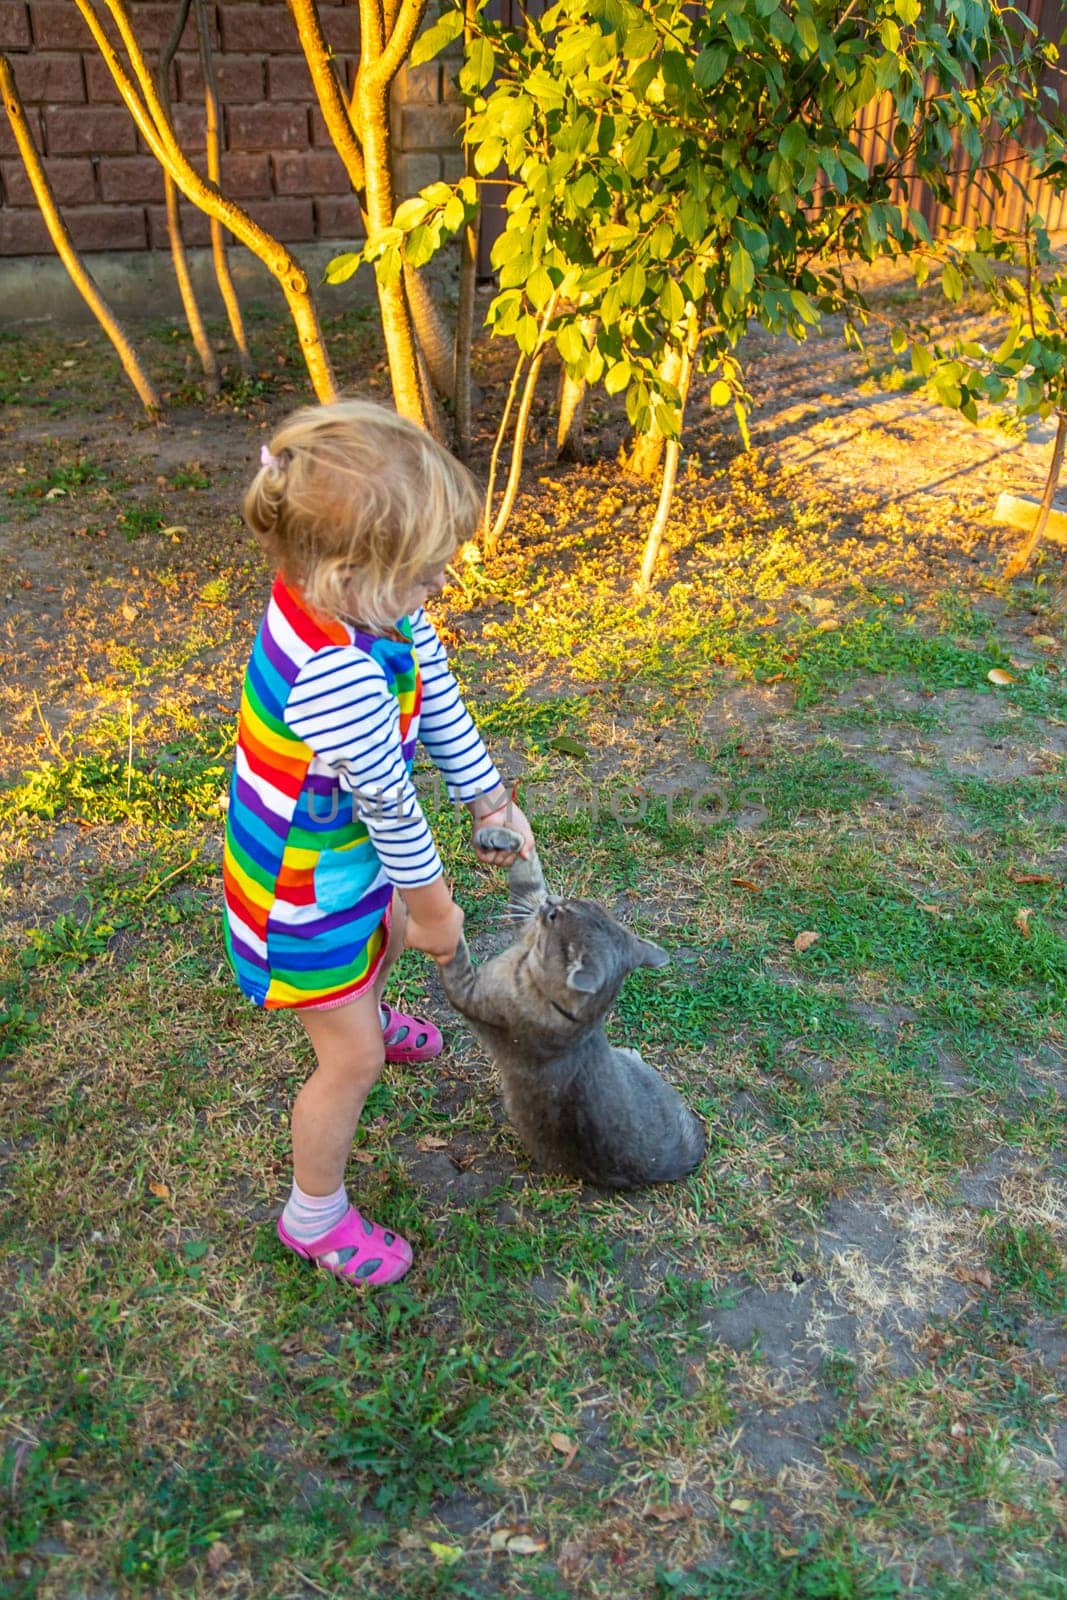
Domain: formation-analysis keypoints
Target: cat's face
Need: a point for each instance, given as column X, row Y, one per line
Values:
column 581, row 953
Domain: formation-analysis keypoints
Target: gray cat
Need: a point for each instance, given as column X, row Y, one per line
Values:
column 578, row 1104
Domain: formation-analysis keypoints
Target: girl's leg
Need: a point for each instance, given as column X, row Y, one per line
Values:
column 318, row 1222
column 349, row 1053
column 349, row 1058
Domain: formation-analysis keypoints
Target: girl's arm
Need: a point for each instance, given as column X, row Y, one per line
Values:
column 446, row 727
column 341, row 707
column 448, row 732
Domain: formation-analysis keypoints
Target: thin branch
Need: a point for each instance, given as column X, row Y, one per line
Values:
column 218, row 238
column 65, row 248
column 332, row 103
column 190, row 305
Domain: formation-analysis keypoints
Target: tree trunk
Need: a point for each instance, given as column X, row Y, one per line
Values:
column 461, row 381
column 646, row 451
column 511, row 488
column 573, row 395
column 218, row 237
column 197, row 332
column 1021, row 559
column 155, row 129
column 670, row 465
column 180, row 262
column 496, row 526
column 64, row 244
column 431, row 332
column 373, row 119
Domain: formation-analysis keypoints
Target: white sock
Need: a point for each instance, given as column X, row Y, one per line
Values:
column 308, row 1216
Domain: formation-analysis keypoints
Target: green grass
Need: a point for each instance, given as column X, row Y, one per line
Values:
column 568, row 1395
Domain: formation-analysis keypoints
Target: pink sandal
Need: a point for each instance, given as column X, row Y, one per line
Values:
column 410, row 1038
column 357, row 1250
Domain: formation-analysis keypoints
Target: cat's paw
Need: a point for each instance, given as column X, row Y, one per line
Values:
column 497, row 838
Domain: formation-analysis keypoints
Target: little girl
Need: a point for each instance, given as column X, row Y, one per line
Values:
column 329, row 867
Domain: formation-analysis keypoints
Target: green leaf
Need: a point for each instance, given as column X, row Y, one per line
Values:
column 809, row 38
column 341, row 268
column 488, row 156
column 710, row 66
column 568, row 746
column 804, row 308
column 479, row 65
column 951, row 282
column 570, row 344
column 539, row 288
column 672, row 301
column 436, row 38
column 793, row 142
column 525, row 334
column 922, row 362
column 632, row 284
column 742, row 271
column 410, row 212
column 617, row 377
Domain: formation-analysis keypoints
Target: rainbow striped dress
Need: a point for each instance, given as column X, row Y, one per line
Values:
column 323, row 820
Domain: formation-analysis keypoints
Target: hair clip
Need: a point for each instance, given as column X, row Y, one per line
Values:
column 268, row 460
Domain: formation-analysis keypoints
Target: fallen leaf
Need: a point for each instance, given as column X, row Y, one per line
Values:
column 526, row 1544
column 568, row 746
column 827, row 625
column 747, row 883
column 55, row 494
column 805, row 940
column 431, row 1141
column 814, row 606
column 218, row 1555
column 129, row 612
column 160, row 1191
column 364, row 1158
column 565, row 1445
column 1032, row 877
column 740, row 1505
column 446, row 1554
column 768, row 619
column 1022, row 920
column 1045, row 641
column 1023, row 666
column 680, row 1511
column 979, row 1275
column 998, row 675
column 517, row 1541
column 175, row 529
column 958, row 1431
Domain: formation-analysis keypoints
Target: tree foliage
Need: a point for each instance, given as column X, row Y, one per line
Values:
column 677, row 172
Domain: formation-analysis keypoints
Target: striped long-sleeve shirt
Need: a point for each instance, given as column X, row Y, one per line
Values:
column 323, row 818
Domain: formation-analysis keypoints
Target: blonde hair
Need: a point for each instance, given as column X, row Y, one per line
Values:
column 355, row 505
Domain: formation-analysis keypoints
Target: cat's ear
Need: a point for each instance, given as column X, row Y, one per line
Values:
column 643, row 953
column 584, row 978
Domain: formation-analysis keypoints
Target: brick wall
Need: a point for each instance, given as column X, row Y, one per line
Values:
column 277, row 159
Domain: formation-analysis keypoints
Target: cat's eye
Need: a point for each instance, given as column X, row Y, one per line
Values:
column 552, row 913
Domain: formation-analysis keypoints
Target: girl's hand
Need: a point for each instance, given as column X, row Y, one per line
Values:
column 507, row 815
column 439, row 939
column 434, row 922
